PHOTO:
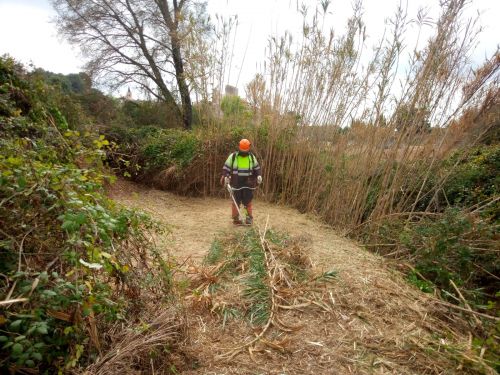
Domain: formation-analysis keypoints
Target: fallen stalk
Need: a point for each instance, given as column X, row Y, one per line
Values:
column 11, row 301
column 468, row 311
column 258, row 337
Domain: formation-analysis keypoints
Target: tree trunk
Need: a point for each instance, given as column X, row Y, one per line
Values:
column 187, row 108
column 172, row 22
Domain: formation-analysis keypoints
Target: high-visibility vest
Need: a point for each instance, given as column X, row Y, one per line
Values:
column 241, row 165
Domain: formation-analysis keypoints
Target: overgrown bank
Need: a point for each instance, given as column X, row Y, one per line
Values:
column 74, row 267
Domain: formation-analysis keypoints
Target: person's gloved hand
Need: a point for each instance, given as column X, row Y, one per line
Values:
column 259, row 180
column 226, row 181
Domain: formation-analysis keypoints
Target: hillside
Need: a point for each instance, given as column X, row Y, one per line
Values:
column 369, row 320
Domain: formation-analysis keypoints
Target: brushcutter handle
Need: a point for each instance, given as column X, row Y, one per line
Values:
column 224, row 180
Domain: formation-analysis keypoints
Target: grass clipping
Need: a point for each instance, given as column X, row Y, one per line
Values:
column 147, row 347
column 260, row 304
column 263, row 276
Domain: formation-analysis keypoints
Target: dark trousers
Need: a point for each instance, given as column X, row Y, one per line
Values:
column 244, row 196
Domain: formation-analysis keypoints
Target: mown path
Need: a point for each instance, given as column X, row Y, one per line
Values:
column 378, row 324
column 193, row 223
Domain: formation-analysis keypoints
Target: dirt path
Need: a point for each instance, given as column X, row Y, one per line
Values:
column 377, row 323
column 193, row 223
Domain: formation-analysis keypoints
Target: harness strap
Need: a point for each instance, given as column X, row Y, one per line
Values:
column 232, row 162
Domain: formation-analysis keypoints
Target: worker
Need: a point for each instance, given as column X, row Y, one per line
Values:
column 242, row 171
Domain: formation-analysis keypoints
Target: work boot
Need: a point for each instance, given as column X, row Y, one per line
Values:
column 249, row 220
column 237, row 221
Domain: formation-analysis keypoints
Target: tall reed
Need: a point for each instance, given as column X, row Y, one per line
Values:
column 342, row 131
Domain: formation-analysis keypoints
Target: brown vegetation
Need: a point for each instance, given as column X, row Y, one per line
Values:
column 365, row 320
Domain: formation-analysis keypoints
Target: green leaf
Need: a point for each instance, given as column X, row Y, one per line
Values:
column 37, row 356
column 14, row 162
column 80, row 219
column 21, row 181
column 68, row 225
column 4, row 339
column 15, row 324
column 17, row 349
column 29, row 363
column 42, row 330
column 49, row 293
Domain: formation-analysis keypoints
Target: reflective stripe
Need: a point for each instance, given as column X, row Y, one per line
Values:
column 243, row 170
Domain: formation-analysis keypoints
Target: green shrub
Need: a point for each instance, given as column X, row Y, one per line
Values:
column 455, row 246
column 475, row 179
column 149, row 149
column 67, row 253
column 233, row 106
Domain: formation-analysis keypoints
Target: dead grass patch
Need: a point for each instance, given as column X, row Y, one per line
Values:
column 355, row 322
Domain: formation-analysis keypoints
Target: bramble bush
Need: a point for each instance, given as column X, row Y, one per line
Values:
column 71, row 262
column 475, row 179
column 458, row 240
column 148, row 150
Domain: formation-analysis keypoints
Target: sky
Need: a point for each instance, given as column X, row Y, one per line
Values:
column 27, row 33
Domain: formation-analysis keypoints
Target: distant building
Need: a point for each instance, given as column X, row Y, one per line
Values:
column 129, row 94
column 231, row 90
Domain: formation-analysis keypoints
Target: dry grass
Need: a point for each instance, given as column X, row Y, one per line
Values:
column 359, row 324
column 364, row 322
column 149, row 347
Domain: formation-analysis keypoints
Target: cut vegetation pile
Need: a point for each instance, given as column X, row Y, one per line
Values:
column 259, row 304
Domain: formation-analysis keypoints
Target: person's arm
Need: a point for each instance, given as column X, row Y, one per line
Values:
column 256, row 170
column 226, row 171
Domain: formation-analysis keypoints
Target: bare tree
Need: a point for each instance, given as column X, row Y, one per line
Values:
column 135, row 41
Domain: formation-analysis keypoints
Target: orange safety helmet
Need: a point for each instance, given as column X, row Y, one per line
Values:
column 245, row 145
